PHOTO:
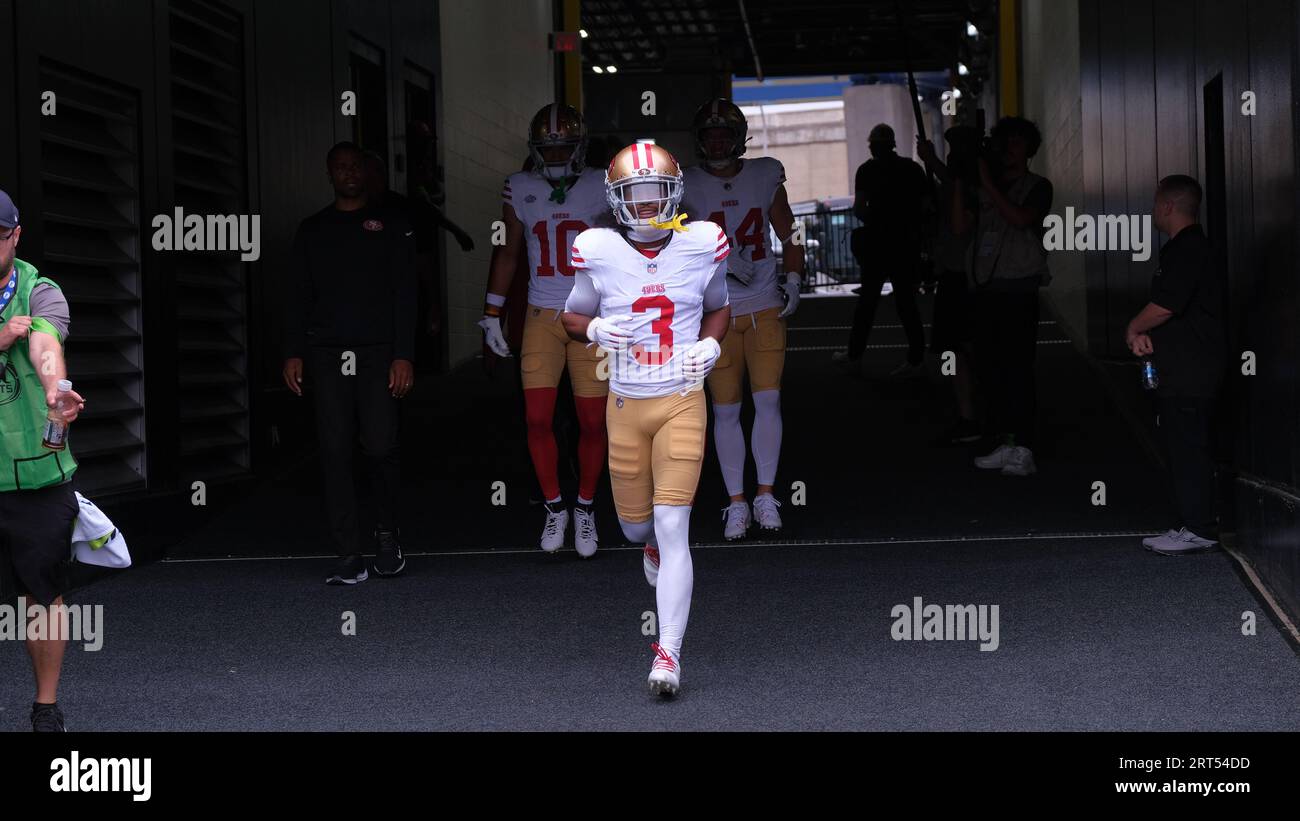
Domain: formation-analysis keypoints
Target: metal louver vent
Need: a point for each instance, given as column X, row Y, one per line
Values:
column 91, row 216
column 210, row 177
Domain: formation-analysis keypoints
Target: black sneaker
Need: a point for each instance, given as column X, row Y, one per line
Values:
column 349, row 570
column 388, row 558
column 47, row 718
column 963, row 432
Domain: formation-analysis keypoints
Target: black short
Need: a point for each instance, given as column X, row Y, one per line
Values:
column 952, row 313
column 36, row 542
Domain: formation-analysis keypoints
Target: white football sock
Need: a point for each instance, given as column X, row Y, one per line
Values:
column 676, row 574
column 729, row 438
column 766, row 439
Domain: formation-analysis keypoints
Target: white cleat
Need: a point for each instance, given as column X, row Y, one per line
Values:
column 735, row 518
column 584, row 531
column 1182, row 543
column 666, row 672
column 650, row 561
column 995, row 460
column 557, row 522
column 1155, row 541
column 765, row 511
column 1019, row 463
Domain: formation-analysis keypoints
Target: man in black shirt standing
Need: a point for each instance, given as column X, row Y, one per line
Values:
column 889, row 194
column 1182, row 331
column 350, row 324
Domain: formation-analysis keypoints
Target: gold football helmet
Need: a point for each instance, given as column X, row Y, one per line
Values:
column 554, row 128
column 720, row 113
column 644, row 188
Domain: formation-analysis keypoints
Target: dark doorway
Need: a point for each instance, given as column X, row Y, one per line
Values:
column 1215, row 199
column 1216, row 226
column 370, row 126
column 424, row 186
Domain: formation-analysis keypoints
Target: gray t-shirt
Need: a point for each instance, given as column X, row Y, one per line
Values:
column 48, row 303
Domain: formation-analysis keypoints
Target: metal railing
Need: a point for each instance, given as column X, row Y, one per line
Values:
column 827, row 257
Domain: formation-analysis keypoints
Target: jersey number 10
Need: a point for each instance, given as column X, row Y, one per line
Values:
column 562, row 245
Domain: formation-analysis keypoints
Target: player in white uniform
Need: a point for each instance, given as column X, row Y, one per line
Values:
column 543, row 210
column 745, row 196
column 653, row 293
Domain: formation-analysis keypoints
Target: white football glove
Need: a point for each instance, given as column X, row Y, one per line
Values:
column 496, row 341
column 700, row 359
column 610, row 331
column 791, row 289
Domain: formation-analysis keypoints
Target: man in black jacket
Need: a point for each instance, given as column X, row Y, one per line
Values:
column 350, row 324
column 1181, row 330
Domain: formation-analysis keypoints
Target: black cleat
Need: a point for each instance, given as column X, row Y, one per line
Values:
column 389, row 561
column 349, row 570
column 47, row 718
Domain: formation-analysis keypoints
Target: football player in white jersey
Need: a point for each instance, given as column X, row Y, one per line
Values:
column 543, row 210
column 745, row 196
column 653, row 293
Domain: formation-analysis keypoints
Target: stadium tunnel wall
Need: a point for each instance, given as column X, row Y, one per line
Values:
column 1129, row 92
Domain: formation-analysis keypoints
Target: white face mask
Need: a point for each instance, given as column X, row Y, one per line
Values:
column 555, row 172
column 642, row 193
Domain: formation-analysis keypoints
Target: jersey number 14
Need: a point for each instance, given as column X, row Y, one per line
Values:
column 749, row 233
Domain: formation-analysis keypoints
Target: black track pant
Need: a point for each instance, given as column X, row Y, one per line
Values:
column 1185, row 432
column 342, row 401
column 898, row 265
column 1006, row 344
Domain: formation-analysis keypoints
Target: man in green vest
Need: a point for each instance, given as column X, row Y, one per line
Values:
column 37, row 505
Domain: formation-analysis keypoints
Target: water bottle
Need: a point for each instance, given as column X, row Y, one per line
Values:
column 1150, row 380
column 56, row 430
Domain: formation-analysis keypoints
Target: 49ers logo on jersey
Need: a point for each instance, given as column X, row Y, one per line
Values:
column 372, row 225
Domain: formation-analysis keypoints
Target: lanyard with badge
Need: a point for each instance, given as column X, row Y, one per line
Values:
column 6, row 296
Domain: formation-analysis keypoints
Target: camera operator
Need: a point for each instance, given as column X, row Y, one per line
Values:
column 1008, row 264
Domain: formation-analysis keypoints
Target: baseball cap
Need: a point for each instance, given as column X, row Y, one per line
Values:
column 8, row 211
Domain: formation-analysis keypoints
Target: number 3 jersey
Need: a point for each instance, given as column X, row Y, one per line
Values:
column 740, row 206
column 666, row 295
column 551, row 225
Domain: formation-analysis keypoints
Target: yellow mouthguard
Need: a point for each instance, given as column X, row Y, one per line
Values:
column 675, row 223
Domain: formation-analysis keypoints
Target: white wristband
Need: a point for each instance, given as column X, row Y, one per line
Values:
column 496, row 300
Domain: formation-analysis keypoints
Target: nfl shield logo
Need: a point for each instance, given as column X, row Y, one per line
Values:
column 651, row 267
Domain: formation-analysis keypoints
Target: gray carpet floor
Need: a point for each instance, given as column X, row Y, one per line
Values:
column 484, row 633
